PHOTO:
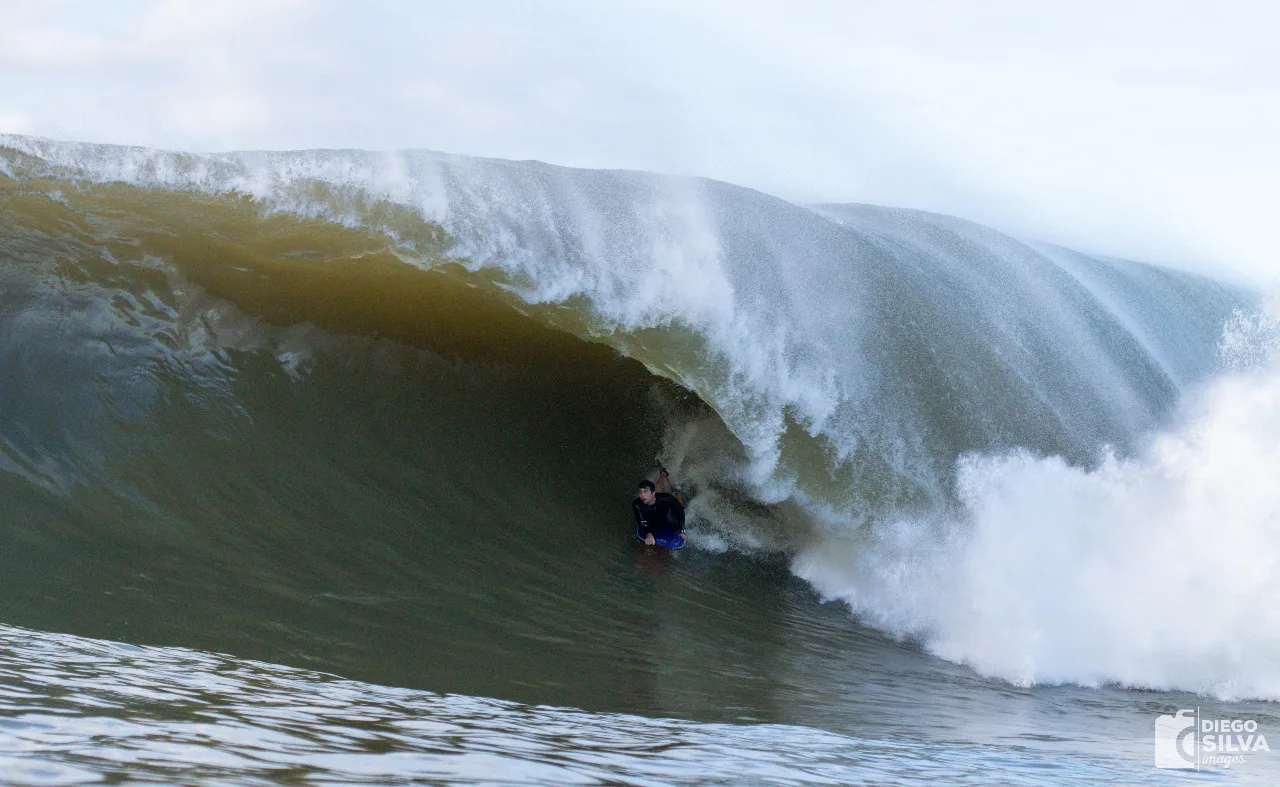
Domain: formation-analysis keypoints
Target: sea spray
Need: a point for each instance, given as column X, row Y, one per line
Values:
column 1160, row 570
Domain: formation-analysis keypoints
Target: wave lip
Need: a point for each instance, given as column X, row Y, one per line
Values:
column 898, row 335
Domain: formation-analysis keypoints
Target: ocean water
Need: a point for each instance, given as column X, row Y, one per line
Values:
column 314, row 468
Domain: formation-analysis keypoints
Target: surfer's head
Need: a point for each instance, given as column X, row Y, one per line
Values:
column 646, row 492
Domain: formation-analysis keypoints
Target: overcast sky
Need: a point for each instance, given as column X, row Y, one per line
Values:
column 1141, row 129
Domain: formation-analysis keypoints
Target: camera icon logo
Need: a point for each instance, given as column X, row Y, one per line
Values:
column 1176, row 740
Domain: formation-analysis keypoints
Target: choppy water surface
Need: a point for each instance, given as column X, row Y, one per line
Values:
column 81, row 711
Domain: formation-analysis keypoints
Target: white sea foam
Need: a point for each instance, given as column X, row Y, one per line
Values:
column 1161, row 570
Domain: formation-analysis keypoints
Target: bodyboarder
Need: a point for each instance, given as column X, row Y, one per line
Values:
column 659, row 516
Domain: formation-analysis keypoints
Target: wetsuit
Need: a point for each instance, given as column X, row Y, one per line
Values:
column 664, row 518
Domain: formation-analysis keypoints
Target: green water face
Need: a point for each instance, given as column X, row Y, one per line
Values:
column 382, row 513
column 431, row 490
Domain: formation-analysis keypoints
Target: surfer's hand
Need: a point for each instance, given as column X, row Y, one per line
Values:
column 648, row 539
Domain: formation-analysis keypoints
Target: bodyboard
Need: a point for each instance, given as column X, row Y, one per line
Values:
column 670, row 541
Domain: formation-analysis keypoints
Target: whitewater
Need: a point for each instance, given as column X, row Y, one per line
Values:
column 1019, row 471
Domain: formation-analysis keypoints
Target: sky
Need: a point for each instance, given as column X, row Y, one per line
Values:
column 1139, row 129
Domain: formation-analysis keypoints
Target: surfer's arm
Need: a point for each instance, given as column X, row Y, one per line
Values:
column 676, row 516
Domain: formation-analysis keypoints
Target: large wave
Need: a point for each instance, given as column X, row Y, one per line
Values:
column 1007, row 450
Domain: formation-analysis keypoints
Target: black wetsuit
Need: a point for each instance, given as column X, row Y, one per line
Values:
column 664, row 518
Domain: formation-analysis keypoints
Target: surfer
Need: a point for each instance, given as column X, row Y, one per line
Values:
column 657, row 513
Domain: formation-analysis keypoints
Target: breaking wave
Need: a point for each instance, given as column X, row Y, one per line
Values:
column 1050, row 466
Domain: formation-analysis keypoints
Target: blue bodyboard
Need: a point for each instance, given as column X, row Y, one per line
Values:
column 672, row 541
